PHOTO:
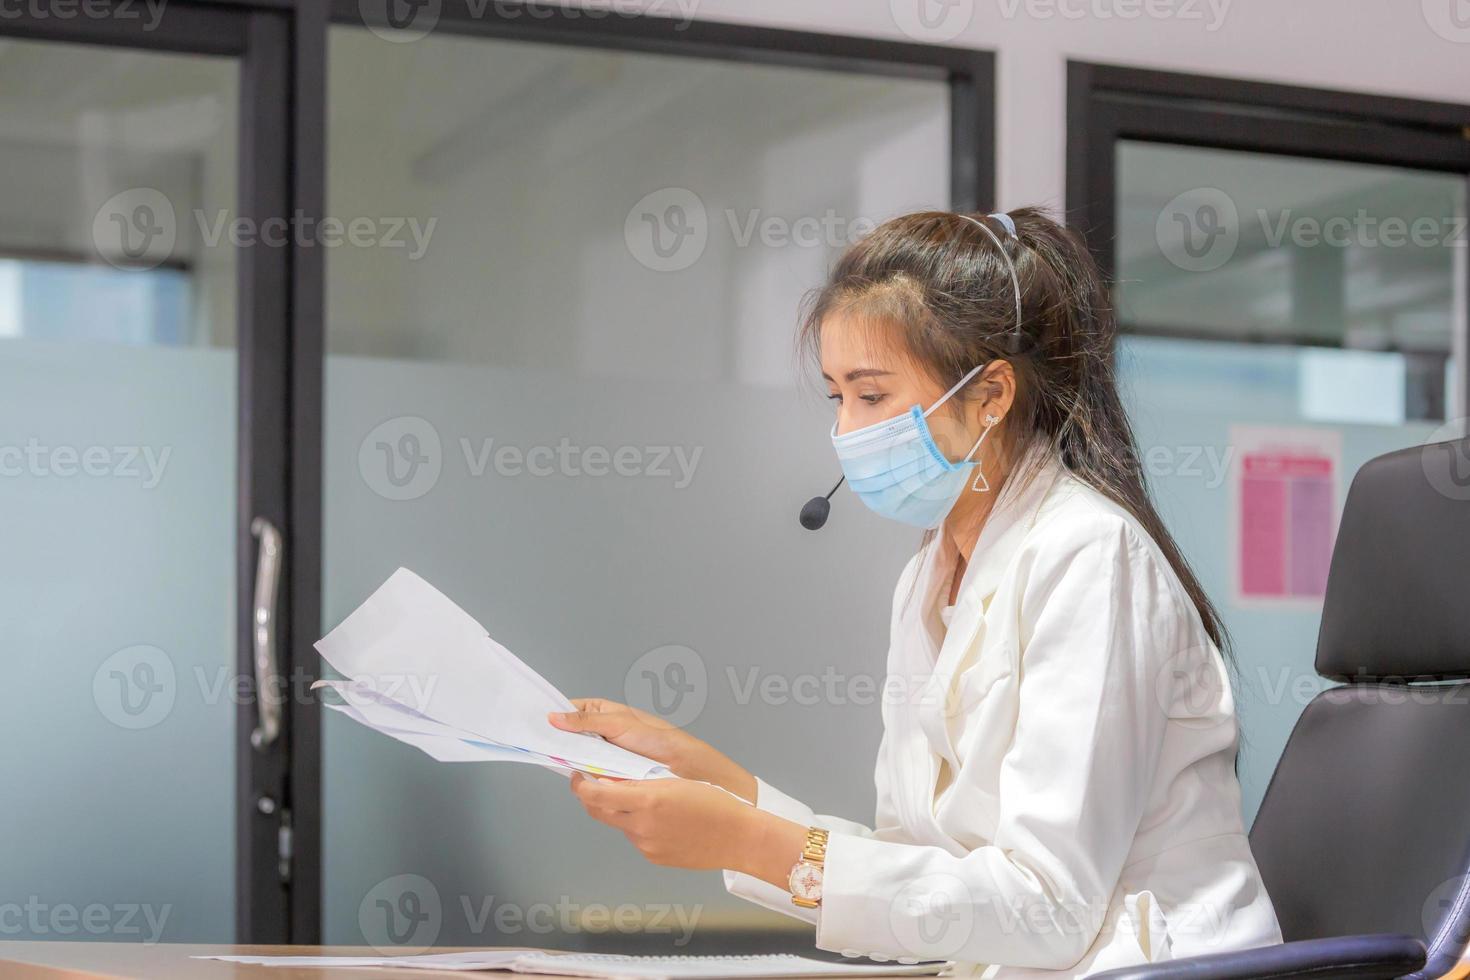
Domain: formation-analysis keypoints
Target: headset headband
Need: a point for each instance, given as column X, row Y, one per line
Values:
column 1017, row 337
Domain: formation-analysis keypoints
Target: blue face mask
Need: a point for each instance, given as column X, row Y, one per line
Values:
column 900, row 472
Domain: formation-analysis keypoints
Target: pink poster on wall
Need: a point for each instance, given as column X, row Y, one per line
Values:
column 1284, row 512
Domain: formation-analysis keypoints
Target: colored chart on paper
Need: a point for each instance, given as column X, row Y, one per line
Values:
column 1286, row 512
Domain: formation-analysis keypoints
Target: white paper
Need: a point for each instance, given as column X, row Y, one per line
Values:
column 605, row 965
column 425, row 673
column 448, row 748
column 490, row 959
column 628, row 967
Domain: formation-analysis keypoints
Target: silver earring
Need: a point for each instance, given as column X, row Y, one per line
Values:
column 980, row 484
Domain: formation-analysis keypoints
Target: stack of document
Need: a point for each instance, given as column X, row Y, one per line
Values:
column 420, row 669
column 606, row 965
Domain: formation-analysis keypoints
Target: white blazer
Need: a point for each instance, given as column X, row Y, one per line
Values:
column 1056, row 784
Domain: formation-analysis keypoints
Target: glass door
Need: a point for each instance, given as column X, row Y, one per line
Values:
column 142, row 475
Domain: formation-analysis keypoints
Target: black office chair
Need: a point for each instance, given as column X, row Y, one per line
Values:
column 1363, row 838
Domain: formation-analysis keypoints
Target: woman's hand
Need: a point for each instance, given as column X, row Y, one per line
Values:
column 683, row 824
column 652, row 737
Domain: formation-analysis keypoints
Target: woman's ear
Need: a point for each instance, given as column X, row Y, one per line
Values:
column 997, row 391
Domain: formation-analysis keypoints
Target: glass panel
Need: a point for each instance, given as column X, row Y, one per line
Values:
column 576, row 411
column 1245, row 246
column 117, row 479
column 1383, row 314
column 47, row 300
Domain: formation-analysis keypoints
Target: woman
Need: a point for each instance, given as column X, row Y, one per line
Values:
column 1056, row 782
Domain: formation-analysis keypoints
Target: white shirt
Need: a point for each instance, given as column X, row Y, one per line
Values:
column 1056, row 783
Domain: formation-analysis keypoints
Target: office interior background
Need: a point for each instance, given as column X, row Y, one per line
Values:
column 588, row 230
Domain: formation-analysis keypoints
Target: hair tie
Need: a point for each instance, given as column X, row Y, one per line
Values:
column 1006, row 220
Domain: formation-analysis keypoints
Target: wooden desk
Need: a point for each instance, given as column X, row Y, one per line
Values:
column 171, row 961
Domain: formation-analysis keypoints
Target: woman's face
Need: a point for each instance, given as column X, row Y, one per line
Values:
column 869, row 380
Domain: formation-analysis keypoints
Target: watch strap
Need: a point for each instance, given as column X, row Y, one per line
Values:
column 815, row 849
column 814, row 853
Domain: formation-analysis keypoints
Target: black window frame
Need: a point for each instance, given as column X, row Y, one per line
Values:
column 1110, row 103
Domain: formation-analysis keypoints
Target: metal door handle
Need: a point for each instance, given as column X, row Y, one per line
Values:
column 263, row 631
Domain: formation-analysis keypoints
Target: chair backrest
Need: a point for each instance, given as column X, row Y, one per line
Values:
column 1365, row 827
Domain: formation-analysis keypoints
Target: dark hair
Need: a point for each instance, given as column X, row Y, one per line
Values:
column 938, row 277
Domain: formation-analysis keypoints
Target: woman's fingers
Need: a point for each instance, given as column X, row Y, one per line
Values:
column 613, row 818
column 594, row 704
column 606, row 794
column 597, row 717
column 619, row 724
column 643, row 733
column 594, row 801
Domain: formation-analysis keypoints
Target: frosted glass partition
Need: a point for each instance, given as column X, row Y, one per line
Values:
column 117, row 598
column 117, row 485
column 577, row 411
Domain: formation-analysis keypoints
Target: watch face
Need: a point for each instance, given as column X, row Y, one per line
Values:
column 806, row 881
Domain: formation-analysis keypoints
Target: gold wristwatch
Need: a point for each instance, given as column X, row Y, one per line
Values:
column 806, row 876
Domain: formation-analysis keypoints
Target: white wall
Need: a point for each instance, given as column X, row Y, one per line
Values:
column 1385, row 48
